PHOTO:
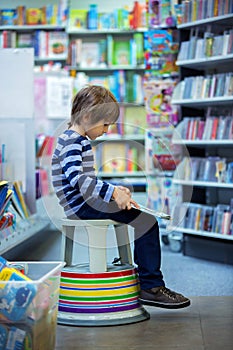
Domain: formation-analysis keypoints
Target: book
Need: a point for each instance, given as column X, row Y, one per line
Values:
column 114, row 157
column 134, row 121
column 35, row 16
column 25, row 40
column 57, row 45
column 4, row 204
column 90, row 55
column 77, row 19
column 47, row 146
column 161, row 50
column 121, row 53
column 139, row 47
column 17, row 190
column 158, row 103
column 5, row 196
column 8, row 17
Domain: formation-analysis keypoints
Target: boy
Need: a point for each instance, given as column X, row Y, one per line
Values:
column 83, row 196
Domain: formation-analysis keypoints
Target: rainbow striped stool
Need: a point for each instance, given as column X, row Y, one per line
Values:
column 96, row 293
column 99, row 299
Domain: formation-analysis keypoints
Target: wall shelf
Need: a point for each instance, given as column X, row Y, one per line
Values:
column 25, row 230
column 200, row 233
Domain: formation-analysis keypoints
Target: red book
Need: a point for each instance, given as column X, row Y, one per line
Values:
column 214, row 129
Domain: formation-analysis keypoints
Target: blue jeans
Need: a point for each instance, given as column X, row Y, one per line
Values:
column 147, row 251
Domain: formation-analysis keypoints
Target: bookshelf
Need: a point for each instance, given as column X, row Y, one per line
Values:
column 16, row 133
column 36, row 24
column 205, row 97
column 113, row 55
column 131, row 71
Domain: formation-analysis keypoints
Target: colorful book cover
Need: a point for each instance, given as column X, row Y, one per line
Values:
column 121, row 53
column 161, row 48
column 8, row 17
column 78, row 19
column 90, row 55
column 160, row 13
column 18, row 192
column 35, row 16
column 99, row 80
column 57, row 45
column 158, row 104
column 25, row 40
column 135, row 121
column 153, row 13
column 114, row 157
column 103, row 53
column 139, row 44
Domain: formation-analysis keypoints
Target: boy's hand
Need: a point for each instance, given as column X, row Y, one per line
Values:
column 122, row 197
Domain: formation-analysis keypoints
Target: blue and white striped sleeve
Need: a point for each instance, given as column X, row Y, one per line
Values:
column 77, row 165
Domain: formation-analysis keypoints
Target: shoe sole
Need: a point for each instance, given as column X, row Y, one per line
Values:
column 165, row 306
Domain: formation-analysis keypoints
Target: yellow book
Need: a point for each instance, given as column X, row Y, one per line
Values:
column 21, row 199
column 114, row 157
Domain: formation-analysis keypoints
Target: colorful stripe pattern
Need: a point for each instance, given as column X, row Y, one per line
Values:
column 95, row 293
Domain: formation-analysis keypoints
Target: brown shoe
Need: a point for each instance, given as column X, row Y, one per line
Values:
column 163, row 297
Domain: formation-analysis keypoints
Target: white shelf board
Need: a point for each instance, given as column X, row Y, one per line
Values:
column 112, row 137
column 203, row 142
column 199, row 233
column 108, row 68
column 204, row 101
column 224, row 18
column 203, row 183
column 205, row 62
column 104, row 31
column 28, row 27
column 26, row 229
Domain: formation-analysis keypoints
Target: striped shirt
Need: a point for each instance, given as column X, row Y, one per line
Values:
column 73, row 174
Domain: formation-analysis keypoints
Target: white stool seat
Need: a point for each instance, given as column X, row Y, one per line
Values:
column 97, row 238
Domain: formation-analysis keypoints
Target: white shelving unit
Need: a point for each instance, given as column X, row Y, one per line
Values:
column 17, row 133
column 199, row 243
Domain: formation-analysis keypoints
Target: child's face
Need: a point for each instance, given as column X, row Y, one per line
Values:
column 96, row 130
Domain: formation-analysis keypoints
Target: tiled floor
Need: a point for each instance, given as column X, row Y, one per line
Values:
column 206, row 325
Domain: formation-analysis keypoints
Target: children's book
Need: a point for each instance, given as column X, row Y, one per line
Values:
column 5, row 196
column 24, row 40
column 20, row 199
column 161, row 48
column 8, row 17
column 135, row 121
column 159, row 108
column 78, row 19
column 4, row 205
column 57, row 45
column 114, row 157
column 90, row 55
column 121, row 53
